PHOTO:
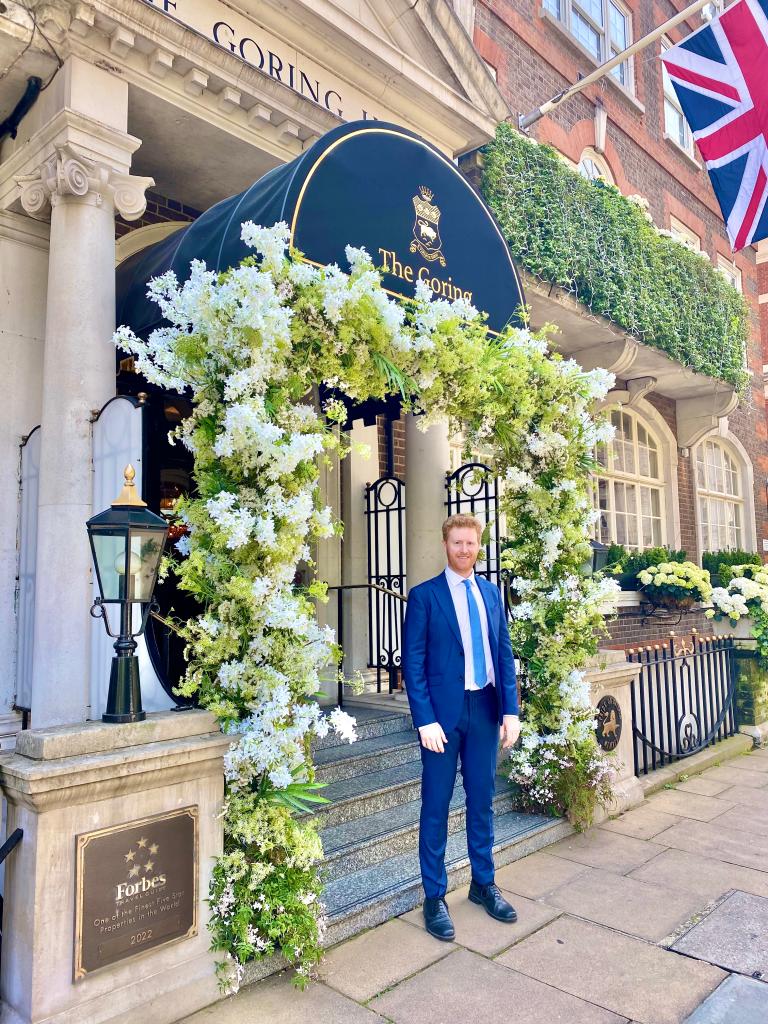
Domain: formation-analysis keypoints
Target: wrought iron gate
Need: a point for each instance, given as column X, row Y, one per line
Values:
column 385, row 512
column 682, row 701
column 473, row 490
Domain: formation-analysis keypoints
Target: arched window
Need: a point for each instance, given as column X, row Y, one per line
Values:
column 720, row 493
column 628, row 488
column 593, row 166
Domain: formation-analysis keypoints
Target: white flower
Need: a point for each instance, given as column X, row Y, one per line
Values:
column 343, row 724
column 182, row 545
column 271, row 243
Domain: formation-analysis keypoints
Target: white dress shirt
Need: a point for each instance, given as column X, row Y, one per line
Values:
column 460, row 603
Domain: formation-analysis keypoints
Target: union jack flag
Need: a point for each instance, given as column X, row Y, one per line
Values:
column 720, row 76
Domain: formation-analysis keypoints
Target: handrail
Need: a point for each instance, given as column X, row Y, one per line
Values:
column 11, row 843
column 369, row 586
column 340, row 588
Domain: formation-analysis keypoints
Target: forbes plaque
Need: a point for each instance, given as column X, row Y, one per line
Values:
column 136, row 888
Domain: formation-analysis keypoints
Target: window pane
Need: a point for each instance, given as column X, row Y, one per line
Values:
column 618, row 24
column 554, row 7
column 586, row 35
column 594, row 8
column 700, row 478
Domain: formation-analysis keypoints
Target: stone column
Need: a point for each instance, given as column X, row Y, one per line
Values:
column 82, row 196
column 427, row 461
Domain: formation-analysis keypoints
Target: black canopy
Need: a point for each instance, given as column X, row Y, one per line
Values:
column 367, row 184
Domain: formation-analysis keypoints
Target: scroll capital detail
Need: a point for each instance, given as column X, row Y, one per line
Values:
column 69, row 172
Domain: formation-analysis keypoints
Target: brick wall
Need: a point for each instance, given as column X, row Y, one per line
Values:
column 159, row 211
column 398, row 439
column 635, row 628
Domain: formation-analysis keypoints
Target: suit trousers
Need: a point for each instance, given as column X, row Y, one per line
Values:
column 476, row 739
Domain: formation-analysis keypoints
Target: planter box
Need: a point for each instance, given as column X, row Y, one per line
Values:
column 742, row 630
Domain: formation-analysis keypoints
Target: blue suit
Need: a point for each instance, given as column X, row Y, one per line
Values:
column 434, row 674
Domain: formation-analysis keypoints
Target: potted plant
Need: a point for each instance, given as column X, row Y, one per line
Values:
column 718, row 564
column 624, row 565
column 675, row 585
column 741, row 606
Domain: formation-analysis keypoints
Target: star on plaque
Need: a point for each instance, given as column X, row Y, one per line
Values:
column 130, row 855
column 143, row 842
column 153, row 849
column 149, row 865
column 134, row 871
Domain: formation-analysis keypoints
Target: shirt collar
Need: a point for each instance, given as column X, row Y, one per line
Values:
column 454, row 579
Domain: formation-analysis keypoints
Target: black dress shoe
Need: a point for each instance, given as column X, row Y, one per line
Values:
column 490, row 897
column 437, row 918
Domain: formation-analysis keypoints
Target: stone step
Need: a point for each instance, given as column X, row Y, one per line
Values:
column 365, row 794
column 371, row 722
column 369, row 840
column 335, row 763
column 376, row 893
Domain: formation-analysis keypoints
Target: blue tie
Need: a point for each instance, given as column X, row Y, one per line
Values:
column 476, row 632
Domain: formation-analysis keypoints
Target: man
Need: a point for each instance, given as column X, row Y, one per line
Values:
column 460, row 680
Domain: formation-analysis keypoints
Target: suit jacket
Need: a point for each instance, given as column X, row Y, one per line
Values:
column 433, row 654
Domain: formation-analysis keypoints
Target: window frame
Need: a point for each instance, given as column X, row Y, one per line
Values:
column 636, row 479
column 562, row 12
column 599, row 161
column 669, row 96
column 742, row 500
column 684, row 235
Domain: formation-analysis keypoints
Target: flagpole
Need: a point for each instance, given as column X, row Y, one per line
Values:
column 525, row 121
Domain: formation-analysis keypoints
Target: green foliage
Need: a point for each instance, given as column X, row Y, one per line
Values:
column 590, row 240
column 624, row 565
column 719, row 563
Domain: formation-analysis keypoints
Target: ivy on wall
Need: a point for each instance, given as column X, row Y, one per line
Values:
column 592, row 241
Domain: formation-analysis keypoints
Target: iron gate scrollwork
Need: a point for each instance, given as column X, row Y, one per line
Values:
column 682, row 700
column 385, row 512
column 473, row 490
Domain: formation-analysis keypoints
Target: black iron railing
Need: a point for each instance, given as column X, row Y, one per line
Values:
column 390, row 657
column 10, row 844
column 682, row 700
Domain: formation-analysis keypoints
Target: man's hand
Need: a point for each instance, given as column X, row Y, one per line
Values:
column 509, row 731
column 433, row 737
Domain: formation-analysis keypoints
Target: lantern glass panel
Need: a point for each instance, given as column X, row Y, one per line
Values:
column 146, row 549
column 109, row 556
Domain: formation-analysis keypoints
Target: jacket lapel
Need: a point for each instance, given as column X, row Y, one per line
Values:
column 444, row 599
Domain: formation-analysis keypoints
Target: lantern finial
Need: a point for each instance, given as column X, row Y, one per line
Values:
column 128, row 495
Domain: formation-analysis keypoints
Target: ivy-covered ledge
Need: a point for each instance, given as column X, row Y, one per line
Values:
column 625, row 295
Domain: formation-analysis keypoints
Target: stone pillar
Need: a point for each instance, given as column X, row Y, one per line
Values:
column 356, row 471
column 610, row 676
column 427, row 461
column 144, row 944
column 82, row 195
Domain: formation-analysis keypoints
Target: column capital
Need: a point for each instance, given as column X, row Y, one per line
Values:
column 69, row 171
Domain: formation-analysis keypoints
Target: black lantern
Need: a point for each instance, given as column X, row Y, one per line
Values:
column 127, row 542
column 597, row 560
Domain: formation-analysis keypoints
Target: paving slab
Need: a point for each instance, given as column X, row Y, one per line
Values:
column 277, row 1001
column 752, row 762
column 708, row 838
column 465, row 987
column 737, row 776
column 701, row 784
column 737, row 1001
column 477, row 931
column 747, row 818
column 599, row 848
column 369, row 963
column 746, row 795
column 689, row 805
column 644, row 909
column 632, row 977
column 537, row 874
column 642, row 822
column 707, row 878
column 733, row 936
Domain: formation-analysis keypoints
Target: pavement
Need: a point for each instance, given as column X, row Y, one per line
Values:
column 657, row 916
